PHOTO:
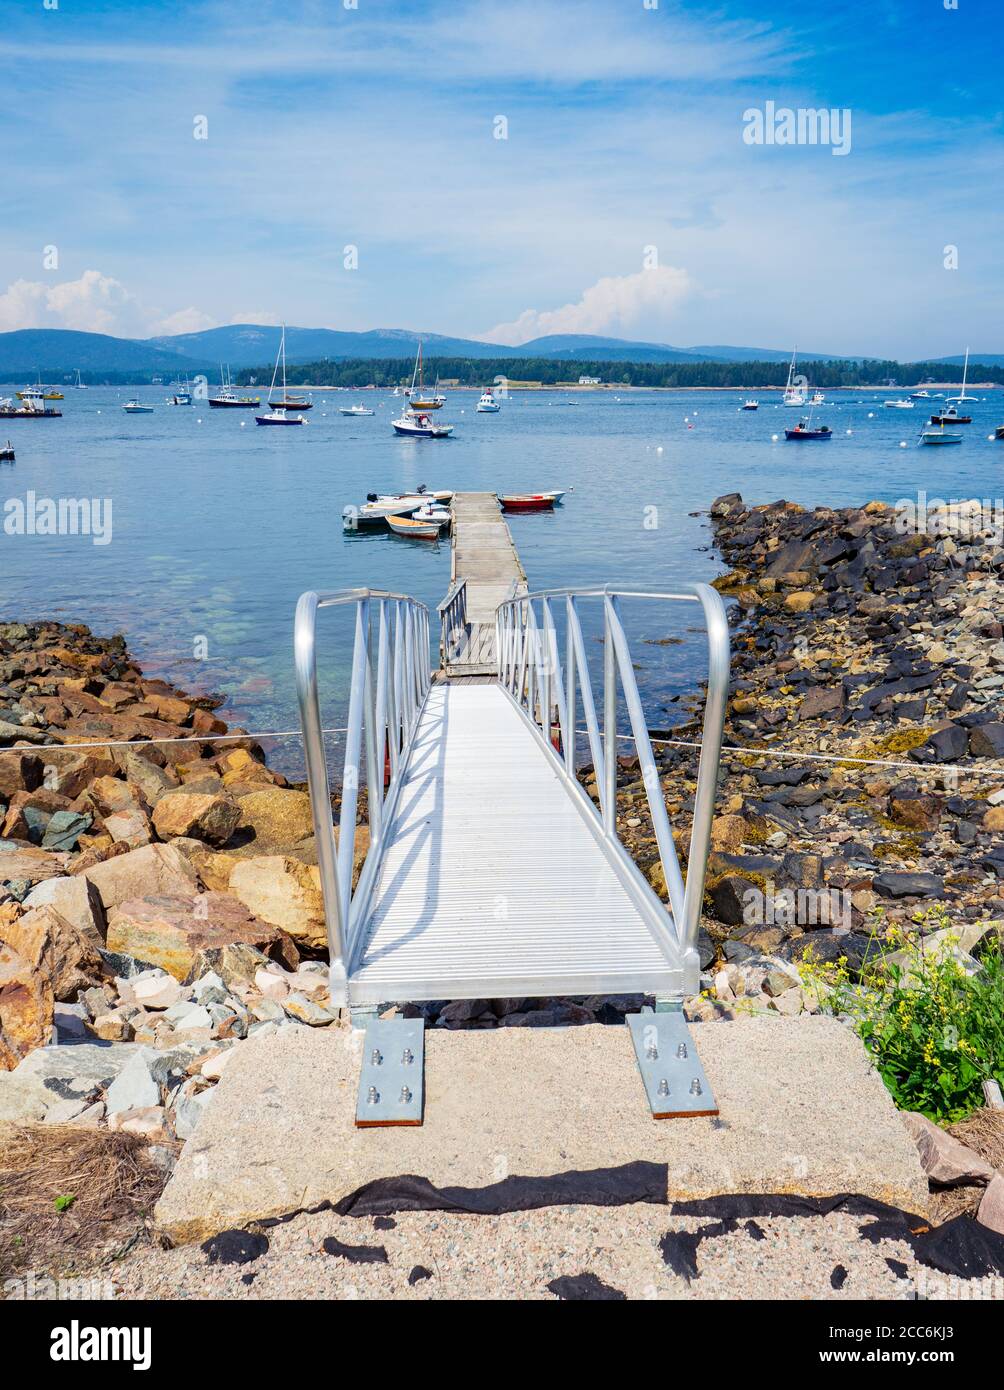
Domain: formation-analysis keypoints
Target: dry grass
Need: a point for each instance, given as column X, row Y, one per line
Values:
column 68, row 1195
column 983, row 1132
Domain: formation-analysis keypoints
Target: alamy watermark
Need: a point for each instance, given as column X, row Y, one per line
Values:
column 969, row 518
column 59, row 516
column 33, row 1287
column 803, row 125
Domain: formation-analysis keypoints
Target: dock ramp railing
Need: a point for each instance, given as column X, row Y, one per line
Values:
column 384, row 708
column 548, row 686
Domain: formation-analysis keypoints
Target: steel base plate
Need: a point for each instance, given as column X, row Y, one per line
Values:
column 674, row 1078
column 391, row 1082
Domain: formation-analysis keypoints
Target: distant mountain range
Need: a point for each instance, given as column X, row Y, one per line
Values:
column 58, row 352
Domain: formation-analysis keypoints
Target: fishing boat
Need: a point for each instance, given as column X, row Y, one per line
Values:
column 804, row 430
column 135, row 407
column 417, row 530
column 750, row 405
column 40, row 393
column 278, row 414
column 961, row 397
column 79, row 385
column 354, row 410
column 793, row 395
column 228, row 399
column 488, row 405
column 30, row 409
column 7, row 452
column 183, row 396
column 951, row 416
column 817, row 398
column 939, row 436
column 418, row 425
column 900, row 404
column 416, row 393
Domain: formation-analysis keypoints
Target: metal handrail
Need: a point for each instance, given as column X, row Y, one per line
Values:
column 384, row 710
column 544, row 690
column 452, row 619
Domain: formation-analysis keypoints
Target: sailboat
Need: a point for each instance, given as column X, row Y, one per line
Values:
column 78, row 384
column 277, row 415
column 417, row 400
column 962, row 394
column 287, row 402
column 793, row 395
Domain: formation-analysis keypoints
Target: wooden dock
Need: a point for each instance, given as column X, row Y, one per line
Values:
column 483, row 558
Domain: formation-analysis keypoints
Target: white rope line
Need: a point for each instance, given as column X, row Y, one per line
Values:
column 145, row 742
column 996, row 771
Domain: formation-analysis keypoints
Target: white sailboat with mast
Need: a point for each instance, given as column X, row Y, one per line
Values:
column 793, row 395
column 962, row 394
column 279, row 415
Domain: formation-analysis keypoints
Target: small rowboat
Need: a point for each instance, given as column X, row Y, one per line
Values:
column 436, row 515
column 528, row 501
column 417, row 530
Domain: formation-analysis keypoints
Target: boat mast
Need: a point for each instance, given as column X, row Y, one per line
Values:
column 965, row 373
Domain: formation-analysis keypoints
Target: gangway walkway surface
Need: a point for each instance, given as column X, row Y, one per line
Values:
column 485, row 570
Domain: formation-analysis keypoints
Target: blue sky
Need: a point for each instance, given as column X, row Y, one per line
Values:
column 374, row 127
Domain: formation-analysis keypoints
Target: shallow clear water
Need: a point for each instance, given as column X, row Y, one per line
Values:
column 218, row 525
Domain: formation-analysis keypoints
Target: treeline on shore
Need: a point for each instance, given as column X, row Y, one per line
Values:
column 467, row 371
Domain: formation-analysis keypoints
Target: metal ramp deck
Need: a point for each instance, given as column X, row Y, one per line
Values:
column 493, row 883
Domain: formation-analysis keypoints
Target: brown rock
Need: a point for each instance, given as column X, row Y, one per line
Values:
column 71, row 773
column 799, row 600
column 32, row 864
column 171, row 931
column 110, row 794
column 51, row 944
column 944, row 1159
column 131, row 828
column 199, row 816
column 730, row 833
column 152, row 781
column 285, row 892
column 74, row 898
column 991, row 1209
column 153, row 869
column 19, row 772
column 994, row 818
column 274, row 819
column 26, row 1007
column 214, row 867
column 915, row 812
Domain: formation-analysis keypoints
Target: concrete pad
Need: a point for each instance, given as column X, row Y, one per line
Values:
column 801, row 1112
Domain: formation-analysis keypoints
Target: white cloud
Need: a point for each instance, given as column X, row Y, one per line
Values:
column 95, row 303
column 619, row 305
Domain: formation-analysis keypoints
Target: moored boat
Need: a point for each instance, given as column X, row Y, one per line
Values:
column 951, row 416
column 135, row 407
column 750, row 405
column 999, row 432
column 418, row 425
column 379, row 506
column 939, row 436
column 434, row 514
column 488, row 405
column 527, row 501
column 278, row 413
column 899, row 404
column 228, row 399
column 355, row 410
column 961, row 397
column 805, row 431
column 7, row 452
column 30, row 410
column 793, row 395
column 417, row 530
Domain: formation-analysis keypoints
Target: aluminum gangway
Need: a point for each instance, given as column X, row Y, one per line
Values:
column 490, row 872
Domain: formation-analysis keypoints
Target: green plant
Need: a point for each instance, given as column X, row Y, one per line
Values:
column 934, row 1031
column 66, row 1201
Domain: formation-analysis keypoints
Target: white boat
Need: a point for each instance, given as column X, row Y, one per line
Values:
column 354, row 410
column 379, row 506
column 135, row 407
column 78, row 384
column 488, row 405
column 417, row 530
column 962, row 394
column 900, row 404
column 279, row 415
column 418, row 425
column 433, row 513
column 939, row 436
column 793, row 395
column 416, row 392
column 750, row 405
column 817, row 398
column 920, row 395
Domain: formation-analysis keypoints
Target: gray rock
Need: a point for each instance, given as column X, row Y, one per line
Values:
column 907, row 885
column 945, row 1160
column 987, row 741
column 189, row 1107
column 134, row 1088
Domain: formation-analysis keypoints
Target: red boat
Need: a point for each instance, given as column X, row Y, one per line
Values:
column 529, row 501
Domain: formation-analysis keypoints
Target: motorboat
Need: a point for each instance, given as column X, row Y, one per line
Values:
column 40, row 393
column 817, row 398
column 940, row 436
column 183, row 396
column 434, row 513
column 228, row 399
column 750, row 405
column 951, row 416
column 899, row 404
column 379, row 507
column 7, row 452
column 488, row 405
column 31, row 409
column 804, row 430
column 418, row 425
column 920, row 395
column 416, row 530
column 279, row 417
column 355, row 410
column 135, row 407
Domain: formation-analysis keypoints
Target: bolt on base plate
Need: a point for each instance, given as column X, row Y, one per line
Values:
column 391, row 1081
column 674, row 1078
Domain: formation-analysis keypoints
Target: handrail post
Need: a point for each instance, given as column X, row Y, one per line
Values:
column 609, row 724
column 569, row 688
column 305, row 659
column 353, row 749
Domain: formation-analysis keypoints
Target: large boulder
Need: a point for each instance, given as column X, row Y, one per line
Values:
column 200, row 817
column 24, row 862
column 274, row 819
column 285, row 892
column 74, row 898
column 172, row 930
column 26, row 1008
column 19, row 772
column 144, row 872
column 53, row 945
